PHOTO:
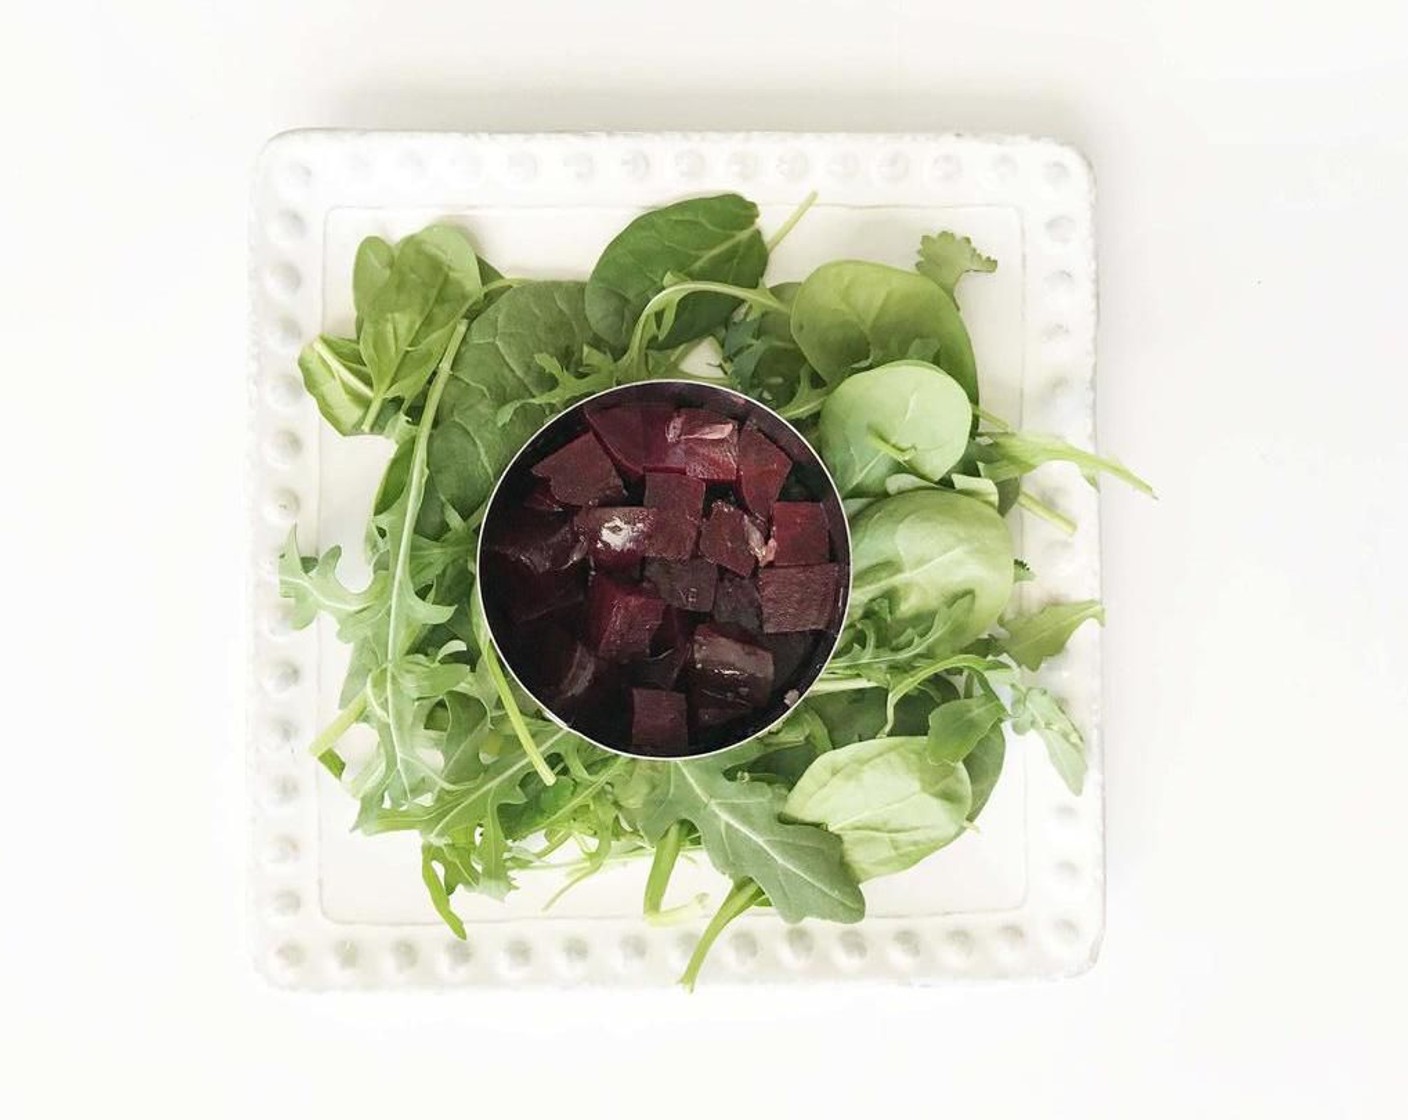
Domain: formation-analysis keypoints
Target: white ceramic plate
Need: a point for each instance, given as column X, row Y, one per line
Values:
column 1021, row 897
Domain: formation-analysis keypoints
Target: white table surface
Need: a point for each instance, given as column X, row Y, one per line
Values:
column 1253, row 185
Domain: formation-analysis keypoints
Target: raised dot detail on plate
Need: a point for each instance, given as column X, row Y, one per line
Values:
column 410, row 166
column 1066, row 875
column 689, row 165
column 457, row 956
column 851, row 947
column 346, row 956
column 285, row 334
column 743, row 164
column 282, row 280
column 515, row 958
column 946, row 168
column 281, row 677
column 1060, row 284
column 792, row 165
column 1066, row 933
column 297, row 177
column 799, row 945
column 282, row 790
column 842, row 167
column 906, row 947
column 290, row 956
column 580, row 166
column 635, row 165
column 279, row 736
column 1061, row 229
column 1066, row 817
column 285, row 904
column 281, row 507
column 278, row 620
column 682, row 948
column 743, row 950
column 631, row 951
column 1012, row 941
column 284, row 391
column 892, row 167
column 1056, row 174
column 1004, row 169
column 1056, row 333
column 573, row 956
column 522, row 167
column 403, row 956
column 288, row 227
column 282, row 448
column 958, row 948
column 463, row 167
column 281, row 851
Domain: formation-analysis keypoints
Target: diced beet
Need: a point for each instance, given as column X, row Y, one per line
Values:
column 700, row 443
column 676, row 492
column 661, row 670
column 632, row 434
column 730, row 668
column 659, row 719
column 621, row 536
column 732, row 539
column 762, row 469
column 540, row 499
column 581, row 473
column 736, row 603
column 621, row 619
column 540, row 542
column 800, row 534
column 676, row 629
column 688, row 584
column 568, row 675
column 798, row 598
column 712, row 711
column 790, row 653
column 533, row 596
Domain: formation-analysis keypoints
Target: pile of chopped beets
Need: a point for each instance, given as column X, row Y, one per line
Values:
column 662, row 579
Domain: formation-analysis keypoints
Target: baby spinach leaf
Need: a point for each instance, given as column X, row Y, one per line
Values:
column 412, row 304
column 370, row 271
column 921, row 551
column 1032, row 638
column 849, row 315
column 337, row 380
column 889, row 800
column 945, row 257
column 1035, row 709
column 497, row 365
column 713, row 238
column 984, row 766
column 799, row 866
column 906, row 417
column 957, row 727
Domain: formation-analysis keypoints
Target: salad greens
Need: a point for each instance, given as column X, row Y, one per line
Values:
column 897, row 748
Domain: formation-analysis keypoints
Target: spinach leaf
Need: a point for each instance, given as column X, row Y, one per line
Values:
column 1032, row 638
column 370, row 271
column 1035, row 709
column 956, row 728
column 337, row 380
column 889, row 801
column 498, row 365
column 849, row 315
column 923, row 550
column 713, row 238
column 799, row 866
column 945, row 257
column 906, row 416
column 984, row 766
column 413, row 300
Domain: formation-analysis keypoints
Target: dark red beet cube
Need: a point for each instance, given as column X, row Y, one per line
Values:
column 676, row 492
column 728, row 667
column 790, row 654
column 762, row 469
column 799, row 598
column 712, row 711
column 736, row 603
column 700, row 443
column 659, row 720
column 569, row 677
column 732, row 539
column 676, row 628
column 800, row 534
column 581, row 473
column 540, row 499
column 539, row 542
column 533, row 596
column 621, row 619
column 687, row 584
column 633, row 434
column 661, row 670
column 620, row 537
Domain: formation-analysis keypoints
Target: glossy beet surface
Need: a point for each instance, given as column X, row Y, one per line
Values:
column 665, row 568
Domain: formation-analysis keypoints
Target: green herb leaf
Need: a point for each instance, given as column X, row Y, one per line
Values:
column 1008, row 455
column 337, row 380
column 1032, row 638
column 1035, row 709
column 889, row 800
column 797, row 865
column 712, row 238
column 984, row 766
column 945, row 257
column 957, row 727
column 370, row 271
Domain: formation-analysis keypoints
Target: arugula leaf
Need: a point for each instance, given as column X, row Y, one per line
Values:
column 314, row 588
column 1008, row 455
column 713, row 238
column 411, row 309
column 1035, row 709
column 798, row 866
column 497, row 365
column 889, row 800
column 945, row 257
column 1032, row 638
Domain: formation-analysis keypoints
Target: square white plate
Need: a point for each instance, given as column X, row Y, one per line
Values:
column 1022, row 896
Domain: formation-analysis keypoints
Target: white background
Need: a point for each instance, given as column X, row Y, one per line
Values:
column 1253, row 174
